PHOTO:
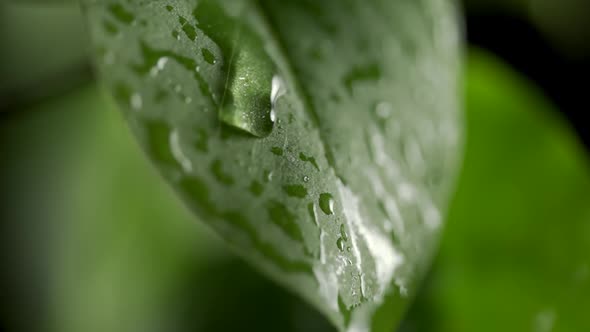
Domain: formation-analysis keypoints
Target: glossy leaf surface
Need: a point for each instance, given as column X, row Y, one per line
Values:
column 320, row 139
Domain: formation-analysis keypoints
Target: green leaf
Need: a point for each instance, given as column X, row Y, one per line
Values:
column 518, row 239
column 320, row 140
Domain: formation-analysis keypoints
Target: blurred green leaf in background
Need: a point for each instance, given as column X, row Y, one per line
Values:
column 516, row 252
column 44, row 50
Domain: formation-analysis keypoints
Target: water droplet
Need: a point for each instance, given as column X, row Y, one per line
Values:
column 273, row 115
column 160, row 64
column 403, row 290
column 343, row 233
column 544, row 321
column 151, row 57
column 178, row 153
column 268, row 176
column 340, row 244
column 312, row 214
column 306, row 178
column 310, row 160
column 157, row 136
column 327, row 203
column 295, row 190
column 246, row 102
column 136, row 101
column 208, row 56
column 384, row 110
column 279, row 88
column 189, row 30
column 254, row 110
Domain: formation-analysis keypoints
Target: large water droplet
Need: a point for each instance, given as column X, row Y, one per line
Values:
column 340, row 244
column 252, row 87
column 160, row 65
column 189, row 29
column 253, row 109
column 327, row 203
column 343, row 233
column 208, row 56
column 268, row 176
column 278, row 90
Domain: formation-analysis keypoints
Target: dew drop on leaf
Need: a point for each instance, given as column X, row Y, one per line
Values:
column 252, row 86
column 327, row 203
column 340, row 244
column 343, row 233
column 208, row 56
column 136, row 101
column 295, row 190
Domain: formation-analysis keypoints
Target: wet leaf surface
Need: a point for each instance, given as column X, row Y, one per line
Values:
column 320, row 140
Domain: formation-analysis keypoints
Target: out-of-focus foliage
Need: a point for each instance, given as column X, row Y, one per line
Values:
column 44, row 49
column 516, row 253
column 565, row 23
